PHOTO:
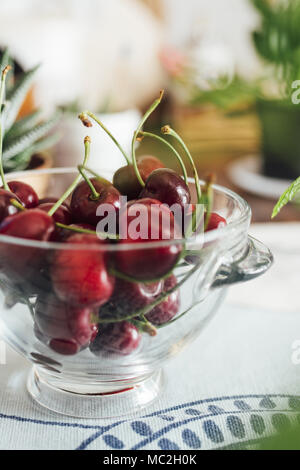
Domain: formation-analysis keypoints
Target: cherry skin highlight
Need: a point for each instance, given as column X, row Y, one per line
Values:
column 80, row 276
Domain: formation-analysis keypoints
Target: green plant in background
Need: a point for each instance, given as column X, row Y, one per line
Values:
column 289, row 195
column 28, row 136
column 277, row 42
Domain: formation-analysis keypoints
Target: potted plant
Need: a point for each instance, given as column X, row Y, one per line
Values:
column 26, row 137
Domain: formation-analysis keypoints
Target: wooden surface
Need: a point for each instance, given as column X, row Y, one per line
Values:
column 214, row 143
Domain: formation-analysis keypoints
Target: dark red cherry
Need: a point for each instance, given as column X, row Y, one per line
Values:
column 80, row 275
column 168, row 187
column 25, row 193
column 84, row 206
column 20, row 261
column 129, row 297
column 125, row 179
column 169, row 307
column 53, row 200
column 66, row 329
column 61, row 215
column 120, row 338
column 142, row 263
column 215, row 221
column 6, row 207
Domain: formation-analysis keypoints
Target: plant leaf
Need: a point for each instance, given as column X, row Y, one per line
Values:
column 21, row 126
column 287, row 196
column 25, row 141
column 17, row 96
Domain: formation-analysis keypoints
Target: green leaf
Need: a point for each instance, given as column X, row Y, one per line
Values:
column 287, row 196
column 17, row 96
column 25, row 141
column 21, row 126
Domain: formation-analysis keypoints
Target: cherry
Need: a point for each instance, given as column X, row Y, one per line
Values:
column 145, row 264
column 125, row 179
column 61, row 215
column 84, row 205
column 52, row 200
column 66, row 329
column 129, row 297
column 23, row 262
column 215, row 221
column 80, row 275
column 168, row 187
column 6, row 207
column 116, row 338
column 25, row 193
column 169, row 307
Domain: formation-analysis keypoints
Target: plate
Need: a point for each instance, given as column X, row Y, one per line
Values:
column 246, row 174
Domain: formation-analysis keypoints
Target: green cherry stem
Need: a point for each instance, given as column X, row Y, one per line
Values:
column 152, row 108
column 95, row 195
column 2, row 91
column 209, row 196
column 17, row 205
column 87, row 145
column 86, row 122
column 94, row 173
column 160, row 139
column 167, row 130
column 76, row 229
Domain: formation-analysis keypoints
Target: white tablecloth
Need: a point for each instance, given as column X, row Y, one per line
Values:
column 236, row 383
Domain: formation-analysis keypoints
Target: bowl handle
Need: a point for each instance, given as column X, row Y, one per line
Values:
column 256, row 260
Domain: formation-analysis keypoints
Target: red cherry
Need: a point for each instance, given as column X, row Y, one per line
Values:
column 65, row 233
column 25, row 193
column 215, row 221
column 53, row 200
column 169, row 307
column 152, row 263
column 61, row 215
column 129, row 297
column 6, row 207
column 125, row 179
column 84, row 207
column 67, row 329
column 23, row 262
column 168, row 187
column 80, row 275
column 116, row 338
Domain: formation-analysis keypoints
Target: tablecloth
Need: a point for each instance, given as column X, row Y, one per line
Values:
column 238, row 382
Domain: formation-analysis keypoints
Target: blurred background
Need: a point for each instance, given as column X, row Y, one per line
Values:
column 228, row 68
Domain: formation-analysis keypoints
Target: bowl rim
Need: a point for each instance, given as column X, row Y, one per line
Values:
column 207, row 237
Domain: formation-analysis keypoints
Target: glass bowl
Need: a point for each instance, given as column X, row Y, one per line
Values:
column 109, row 384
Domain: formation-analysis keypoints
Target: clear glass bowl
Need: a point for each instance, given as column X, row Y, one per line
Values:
column 85, row 385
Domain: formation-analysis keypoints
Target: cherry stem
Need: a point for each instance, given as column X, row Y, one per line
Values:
column 144, row 325
column 94, row 173
column 19, row 206
column 167, row 130
column 152, row 108
column 95, row 195
column 87, row 144
column 76, row 229
column 86, row 122
column 160, row 139
column 2, row 91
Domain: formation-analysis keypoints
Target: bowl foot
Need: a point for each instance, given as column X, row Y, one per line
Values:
column 109, row 402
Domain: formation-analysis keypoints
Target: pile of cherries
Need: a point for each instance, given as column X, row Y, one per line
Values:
column 94, row 292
